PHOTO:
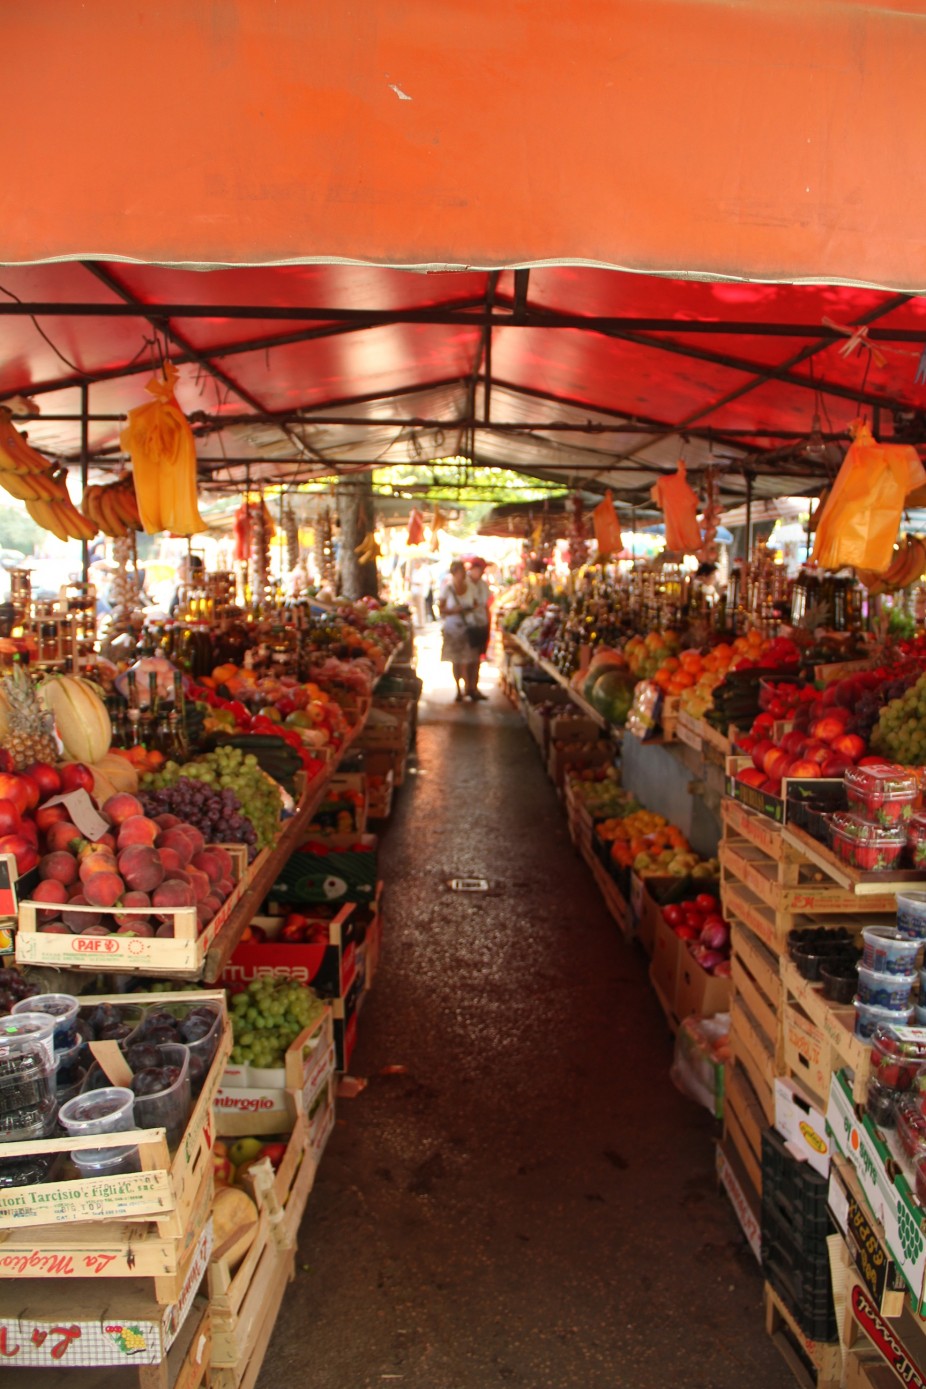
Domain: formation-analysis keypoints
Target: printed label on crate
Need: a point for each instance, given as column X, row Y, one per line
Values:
column 889, row 1199
column 92, row 1198
column 885, row 1338
column 748, row 1222
column 868, row 1253
column 7, row 888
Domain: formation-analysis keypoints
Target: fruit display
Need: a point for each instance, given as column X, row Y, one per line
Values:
column 699, row 922
column 267, row 1017
column 212, row 791
column 881, row 795
column 134, row 876
column 26, row 726
column 600, row 791
column 900, row 732
column 863, row 845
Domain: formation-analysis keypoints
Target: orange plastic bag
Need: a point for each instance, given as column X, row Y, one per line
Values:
column 607, row 528
column 160, row 442
column 861, row 517
column 679, row 505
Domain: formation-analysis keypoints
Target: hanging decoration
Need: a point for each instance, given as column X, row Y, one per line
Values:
column 859, row 523
column 679, row 506
column 607, row 528
column 707, row 551
column 291, row 531
column 368, row 551
column 415, row 527
column 438, row 522
column 324, row 549
column 160, row 442
column 578, row 535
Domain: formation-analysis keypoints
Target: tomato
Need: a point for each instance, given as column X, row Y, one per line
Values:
column 706, row 902
column 673, row 915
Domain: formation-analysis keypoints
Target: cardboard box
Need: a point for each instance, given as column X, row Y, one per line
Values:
column 801, row 1125
column 697, row 992
column 346, row 873
column 345, row 807
column 255, row 1100
column 664, row 964
column 345, row 1023
column 329, row 970
column 577, row 755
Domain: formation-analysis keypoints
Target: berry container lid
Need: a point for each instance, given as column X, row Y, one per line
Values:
column 883, row 783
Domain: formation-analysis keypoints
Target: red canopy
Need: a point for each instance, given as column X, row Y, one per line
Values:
column 769, row 141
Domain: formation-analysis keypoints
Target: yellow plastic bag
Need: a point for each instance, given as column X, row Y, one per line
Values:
column 160, row 442
column 679, row 505
column 859, row 522
column 607, row 528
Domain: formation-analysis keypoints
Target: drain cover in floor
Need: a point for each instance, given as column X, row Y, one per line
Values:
column 468, row 885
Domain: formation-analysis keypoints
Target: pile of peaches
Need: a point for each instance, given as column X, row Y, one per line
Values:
column 129, row 881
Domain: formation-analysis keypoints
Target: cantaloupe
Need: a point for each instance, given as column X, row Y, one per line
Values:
column 234, row 1217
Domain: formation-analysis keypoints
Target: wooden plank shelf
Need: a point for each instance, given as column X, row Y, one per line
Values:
column 740, row 822
column 835, row 1023
column 793, row 886
column 773, row 926
column 872, row 886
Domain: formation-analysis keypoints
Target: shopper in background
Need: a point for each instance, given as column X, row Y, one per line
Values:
column 479, row 632
column 418, row 585
column 458, row 611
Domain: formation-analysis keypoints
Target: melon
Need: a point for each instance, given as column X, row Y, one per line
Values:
column 612, row 695
column 234, row 1220
column 604, row 660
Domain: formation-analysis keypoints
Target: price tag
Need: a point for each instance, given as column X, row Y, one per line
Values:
column 83, row 813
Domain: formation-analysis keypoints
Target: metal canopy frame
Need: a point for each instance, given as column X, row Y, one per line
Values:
column 574, row 441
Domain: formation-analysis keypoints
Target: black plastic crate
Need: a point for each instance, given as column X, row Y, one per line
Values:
column 813, row 1312
column 808, row 806
column 809, row 1259
column 795, row 1184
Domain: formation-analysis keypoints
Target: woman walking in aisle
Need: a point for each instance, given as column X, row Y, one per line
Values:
column 458, row 611
column 478, row 634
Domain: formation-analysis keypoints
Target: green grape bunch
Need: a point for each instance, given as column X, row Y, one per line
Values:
column 900, row 733
column 267, row 1017
column 232, row 787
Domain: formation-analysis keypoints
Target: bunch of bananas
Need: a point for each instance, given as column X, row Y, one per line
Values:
column 368, row 551
column 112, row 508
column 908, row 565
column 33, row 479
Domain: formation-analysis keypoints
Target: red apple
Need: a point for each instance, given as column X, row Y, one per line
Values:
column 816, row 752
column 873, row 761
column 836, row 765
column 763, row 746
column 47, row 815
column 12, row 788
column 29, row 830
column 794, row 742
column 849, row 745
column 47, row 777
column 772, row 785
column 10, row 818
column 75, row 776
column 804, row 769
column 751, row 776
column 32, row 787
column 25, row 854
column 831, row 726
column 773, row 762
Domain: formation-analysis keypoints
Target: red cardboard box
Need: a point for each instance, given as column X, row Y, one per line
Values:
column 329, row 967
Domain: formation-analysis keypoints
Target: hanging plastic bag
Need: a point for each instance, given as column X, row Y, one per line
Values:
column 160, row 442
column 415, row 527
column 607, row 528
column 861, row 517
column 679, row 506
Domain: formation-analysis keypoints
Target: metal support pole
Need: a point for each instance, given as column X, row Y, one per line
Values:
column 84, row 470
column 748, row 518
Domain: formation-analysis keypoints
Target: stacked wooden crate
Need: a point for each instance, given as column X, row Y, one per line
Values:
column 781, row 1026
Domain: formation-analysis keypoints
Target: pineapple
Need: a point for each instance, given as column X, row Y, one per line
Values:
column 28, row 735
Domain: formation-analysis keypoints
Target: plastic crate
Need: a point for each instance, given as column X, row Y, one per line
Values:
column 809, row 807
column 794, row 1190
column 795, row 1225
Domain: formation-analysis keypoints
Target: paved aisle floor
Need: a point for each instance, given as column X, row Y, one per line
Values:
column 529, row 1202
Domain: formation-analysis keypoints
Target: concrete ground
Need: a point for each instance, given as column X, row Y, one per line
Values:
column 519, row 1196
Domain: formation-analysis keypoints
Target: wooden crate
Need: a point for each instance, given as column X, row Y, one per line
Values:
column 773, row 925
column 183, row 956
column 669, row 718
column 743, row 1121
column 86, row 1328
column 756, row 978
column 614, row 899
column 136, row 1226
column 712, row 738
column 814, row 1364
column 267, row 1103
column 244, row 1302
column 822, row 1035
column 878, row 889
column 792, row 885
column 688, row 730
column 745, row 1201
column 754, row 1051
column 578, row 817
column 741, row 822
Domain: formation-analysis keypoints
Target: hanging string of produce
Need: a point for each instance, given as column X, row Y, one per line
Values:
column 160, row 443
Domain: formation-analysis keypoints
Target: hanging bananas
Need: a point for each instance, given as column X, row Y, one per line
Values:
column 908, row 565
column 368, row 551
column 112, row 508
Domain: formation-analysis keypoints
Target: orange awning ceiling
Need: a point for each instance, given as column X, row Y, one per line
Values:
column 768, row 139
